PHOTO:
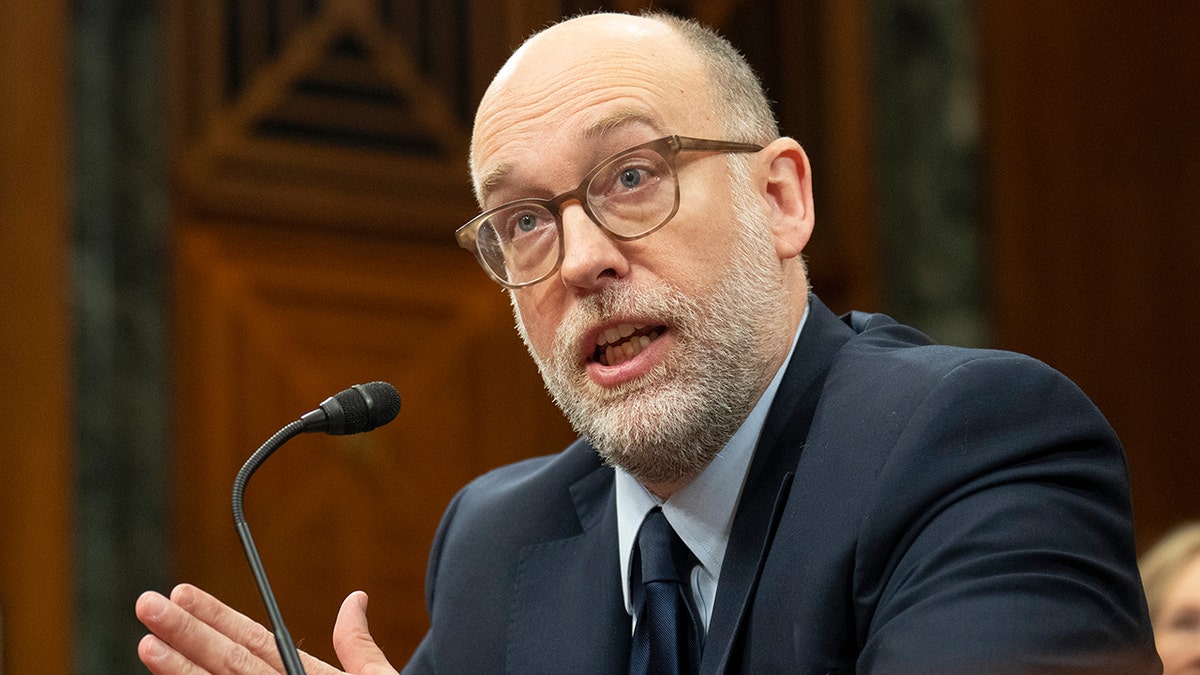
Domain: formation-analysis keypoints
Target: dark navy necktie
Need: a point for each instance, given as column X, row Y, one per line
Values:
column 667, row 638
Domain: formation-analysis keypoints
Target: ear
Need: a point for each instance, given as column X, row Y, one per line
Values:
column 789, row 196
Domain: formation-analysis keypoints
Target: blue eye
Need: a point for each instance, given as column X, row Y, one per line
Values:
column 630, row 178
column 527, row 222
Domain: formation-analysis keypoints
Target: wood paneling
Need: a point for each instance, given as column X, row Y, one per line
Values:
column 36, row 483
column 269, row 327
column 1091, row 112
column 335, row 114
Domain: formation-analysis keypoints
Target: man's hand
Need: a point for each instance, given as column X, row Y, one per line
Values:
column 193, row 632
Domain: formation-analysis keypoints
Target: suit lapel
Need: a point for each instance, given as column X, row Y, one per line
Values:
column 768, row 481
column 567, row 613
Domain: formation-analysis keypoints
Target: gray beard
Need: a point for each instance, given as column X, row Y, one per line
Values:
column 669, row 424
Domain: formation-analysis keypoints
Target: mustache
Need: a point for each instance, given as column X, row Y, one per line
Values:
column 657, row 301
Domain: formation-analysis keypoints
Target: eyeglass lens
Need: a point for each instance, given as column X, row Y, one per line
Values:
column 630, row 195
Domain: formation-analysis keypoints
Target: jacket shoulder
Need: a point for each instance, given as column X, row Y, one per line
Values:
column 509, row 496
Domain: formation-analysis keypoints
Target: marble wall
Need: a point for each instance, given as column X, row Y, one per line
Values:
column 930, row 191
column 121, row 347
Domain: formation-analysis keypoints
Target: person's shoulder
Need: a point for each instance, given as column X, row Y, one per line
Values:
column 538, row 484
column 885, row 348
column 539, row 473
column 893, row 371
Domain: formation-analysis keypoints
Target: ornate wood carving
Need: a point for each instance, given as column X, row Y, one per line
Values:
column 346, row 113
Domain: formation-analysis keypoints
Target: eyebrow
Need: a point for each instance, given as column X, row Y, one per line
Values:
column 490, row 180
column 621, row 117
column 614, row 120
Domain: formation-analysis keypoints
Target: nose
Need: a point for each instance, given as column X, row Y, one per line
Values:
column 590, row 257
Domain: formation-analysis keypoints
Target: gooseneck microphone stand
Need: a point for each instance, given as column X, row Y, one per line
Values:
column 360, row 408
column 283, row 639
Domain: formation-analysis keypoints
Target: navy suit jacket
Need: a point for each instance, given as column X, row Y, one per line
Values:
column 909, row 508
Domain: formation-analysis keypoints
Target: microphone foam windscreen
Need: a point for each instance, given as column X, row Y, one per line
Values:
column 385, row 403
column 366, row 406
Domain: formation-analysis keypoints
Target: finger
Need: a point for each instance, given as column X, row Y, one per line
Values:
column 196, row 641
column 352, row 640
column 241, row 629
column 160, row 659
column 234, row 625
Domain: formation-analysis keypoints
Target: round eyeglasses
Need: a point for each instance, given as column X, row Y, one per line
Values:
column 629, row 195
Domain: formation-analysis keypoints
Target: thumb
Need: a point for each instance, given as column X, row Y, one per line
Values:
column 352, row 640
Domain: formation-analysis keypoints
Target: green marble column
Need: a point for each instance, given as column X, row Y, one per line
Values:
column 931, row 212
column 121, row 364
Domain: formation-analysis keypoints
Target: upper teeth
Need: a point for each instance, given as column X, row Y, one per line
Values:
column 617, row 333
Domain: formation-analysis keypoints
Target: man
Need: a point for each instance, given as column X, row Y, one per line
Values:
column 834, row 495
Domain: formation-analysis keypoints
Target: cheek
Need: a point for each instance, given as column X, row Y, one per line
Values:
column 540, row 316
column 698, row 244
column 693, row 265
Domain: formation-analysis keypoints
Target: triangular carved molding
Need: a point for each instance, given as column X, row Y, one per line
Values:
column 332, row 113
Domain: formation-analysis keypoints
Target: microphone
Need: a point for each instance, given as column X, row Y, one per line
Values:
column 360, row 408
column 355, row 410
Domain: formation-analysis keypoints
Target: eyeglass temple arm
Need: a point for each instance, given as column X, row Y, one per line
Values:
column 689, row 143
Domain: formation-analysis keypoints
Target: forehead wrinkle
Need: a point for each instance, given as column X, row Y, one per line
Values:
column 606, row 124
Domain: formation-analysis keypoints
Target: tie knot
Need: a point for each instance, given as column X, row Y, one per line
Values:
column 664, row 555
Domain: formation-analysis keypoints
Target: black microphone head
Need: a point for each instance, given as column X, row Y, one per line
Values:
column 355, row 410
column 380, row 403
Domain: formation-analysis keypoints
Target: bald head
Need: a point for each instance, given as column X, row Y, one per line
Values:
column 573, row 42
column 668, row 70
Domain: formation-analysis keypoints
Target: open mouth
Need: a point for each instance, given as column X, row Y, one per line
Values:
column 618, row 344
